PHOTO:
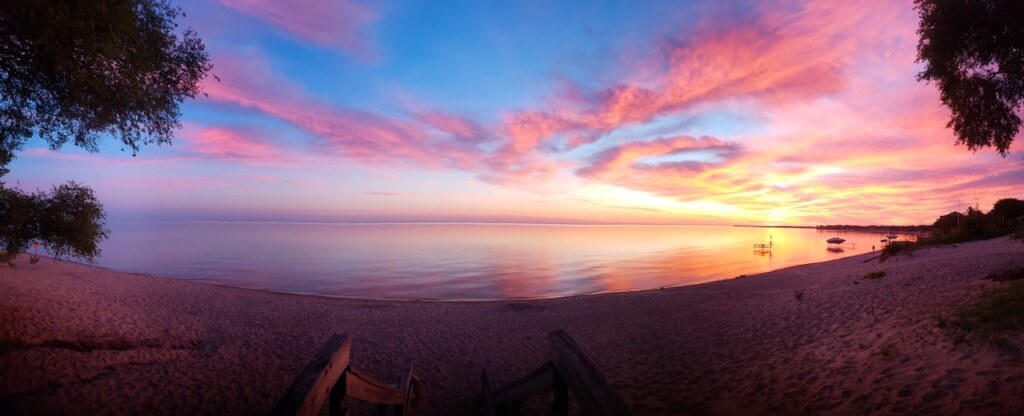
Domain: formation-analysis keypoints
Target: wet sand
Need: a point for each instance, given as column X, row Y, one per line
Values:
column 82, row 340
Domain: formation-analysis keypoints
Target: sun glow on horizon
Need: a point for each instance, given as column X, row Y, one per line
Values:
column 805, row 114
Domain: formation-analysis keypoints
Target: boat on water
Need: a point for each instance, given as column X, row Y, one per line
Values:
column 892, row 236
column 836, row 240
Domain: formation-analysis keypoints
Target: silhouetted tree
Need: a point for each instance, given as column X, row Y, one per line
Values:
column 77, row 71
column 1008, row 208
column 949, row 222
column 974, row 51
column 68, row 218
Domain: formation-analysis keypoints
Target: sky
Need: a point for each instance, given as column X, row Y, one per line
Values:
column 702, row 112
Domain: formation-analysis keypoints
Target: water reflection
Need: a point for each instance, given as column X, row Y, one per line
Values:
column 460, row 261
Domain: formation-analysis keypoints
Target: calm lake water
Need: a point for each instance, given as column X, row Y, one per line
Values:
column 460, row 261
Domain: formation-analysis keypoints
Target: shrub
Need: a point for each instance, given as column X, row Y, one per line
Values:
column 900, row 247
column 1008, row 274
column 995, row 313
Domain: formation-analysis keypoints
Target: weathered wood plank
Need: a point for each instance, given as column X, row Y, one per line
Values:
column 407, row 385
column 535, row 383
column 363, row 387
column 336, row 402
column 487, row 379
column 560, row 404
column 591, row 389
column 312, row 387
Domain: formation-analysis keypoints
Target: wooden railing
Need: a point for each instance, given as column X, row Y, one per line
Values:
column 329, row 378
column 567, row 369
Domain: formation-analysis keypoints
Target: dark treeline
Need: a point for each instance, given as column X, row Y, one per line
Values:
column 1006, row 217
column 909, row 229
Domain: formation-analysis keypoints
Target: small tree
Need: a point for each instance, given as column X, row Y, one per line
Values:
column 1008, row 208
column 76, row 71
column 68, row 218
column 974, row 51
column 948, row 223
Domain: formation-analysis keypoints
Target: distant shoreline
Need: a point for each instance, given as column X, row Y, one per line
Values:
column 908, row 229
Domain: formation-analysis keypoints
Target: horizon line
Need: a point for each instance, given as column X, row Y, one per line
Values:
column 553, row 223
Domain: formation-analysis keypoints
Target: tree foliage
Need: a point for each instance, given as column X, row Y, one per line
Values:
column 974, row 51
column 955, row 227
column 76, row 71
column 1008, row 208
column 69, row 219
column 948, row 223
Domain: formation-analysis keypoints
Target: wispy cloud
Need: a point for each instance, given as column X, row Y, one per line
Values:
column 665, row 155
column 249, row 82
column 338, row 24
column 226, row 144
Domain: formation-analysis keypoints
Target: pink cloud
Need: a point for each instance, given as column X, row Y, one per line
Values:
column 262, row 178
column 231, row 145
column 626, row 161
column 431, row 139
column 334, row 23
column 782, row 56
column 165, row 184
column 460, row 127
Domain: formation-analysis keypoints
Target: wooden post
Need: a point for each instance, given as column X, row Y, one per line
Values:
column 536, row 383
column 407, row 384
column 487, row 379
column 560, row 407
column 313, row 386
column 515, row 408
column 336, row 404
column 591, row 389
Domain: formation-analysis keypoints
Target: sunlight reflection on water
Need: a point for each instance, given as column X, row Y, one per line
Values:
column 460, row 261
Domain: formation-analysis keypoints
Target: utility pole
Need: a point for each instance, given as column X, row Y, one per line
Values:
column 958, row 215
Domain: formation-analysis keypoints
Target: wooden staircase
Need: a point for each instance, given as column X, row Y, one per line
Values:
column 329, row 378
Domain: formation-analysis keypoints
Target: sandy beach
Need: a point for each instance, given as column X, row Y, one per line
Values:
column 76, row 339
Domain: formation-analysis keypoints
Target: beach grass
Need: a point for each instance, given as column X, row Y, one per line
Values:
column 875, row 275
column 993, row 315
column 1007, row 275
